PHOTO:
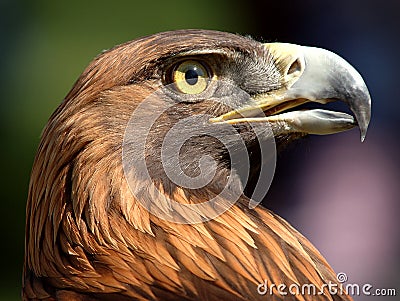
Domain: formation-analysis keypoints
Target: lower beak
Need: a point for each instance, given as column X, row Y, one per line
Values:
column 309, row 75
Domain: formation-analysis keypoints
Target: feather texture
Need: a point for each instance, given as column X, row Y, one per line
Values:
column 89, row 238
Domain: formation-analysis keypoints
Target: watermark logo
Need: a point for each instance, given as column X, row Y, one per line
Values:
column 165, row 136
column 341, row 277
column 330, row 288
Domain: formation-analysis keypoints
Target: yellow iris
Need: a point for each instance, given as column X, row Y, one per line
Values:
column 190, row 77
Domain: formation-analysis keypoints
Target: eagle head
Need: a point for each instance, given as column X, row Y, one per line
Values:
column 147, row 176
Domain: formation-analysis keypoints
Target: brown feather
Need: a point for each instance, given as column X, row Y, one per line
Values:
column 88, row 238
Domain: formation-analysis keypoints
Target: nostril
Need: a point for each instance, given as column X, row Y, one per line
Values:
column 294, row 67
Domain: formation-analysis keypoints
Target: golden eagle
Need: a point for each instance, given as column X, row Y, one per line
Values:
column 97, row 228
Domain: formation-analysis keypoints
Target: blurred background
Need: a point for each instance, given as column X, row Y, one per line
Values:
column 341, row 194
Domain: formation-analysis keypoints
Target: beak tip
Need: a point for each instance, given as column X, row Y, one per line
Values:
column 361, row 107
column 363, row 137
column 363, row 128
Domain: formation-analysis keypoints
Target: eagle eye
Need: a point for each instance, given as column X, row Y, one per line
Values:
column 190, row 77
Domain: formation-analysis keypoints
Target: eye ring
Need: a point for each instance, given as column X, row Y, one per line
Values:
column 191, row 77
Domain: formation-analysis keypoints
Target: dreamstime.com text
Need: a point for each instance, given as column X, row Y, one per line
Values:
column 341, row 288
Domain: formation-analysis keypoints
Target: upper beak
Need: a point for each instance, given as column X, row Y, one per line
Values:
column 309, row 75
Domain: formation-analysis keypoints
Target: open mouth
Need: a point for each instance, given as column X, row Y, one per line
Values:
column 298, row 115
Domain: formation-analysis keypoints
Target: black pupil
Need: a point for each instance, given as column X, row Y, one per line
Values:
column 191, row 76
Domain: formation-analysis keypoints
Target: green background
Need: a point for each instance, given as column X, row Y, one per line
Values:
column 47, row 45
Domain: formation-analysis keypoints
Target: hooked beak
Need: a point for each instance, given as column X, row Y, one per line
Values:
column 308, row 74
